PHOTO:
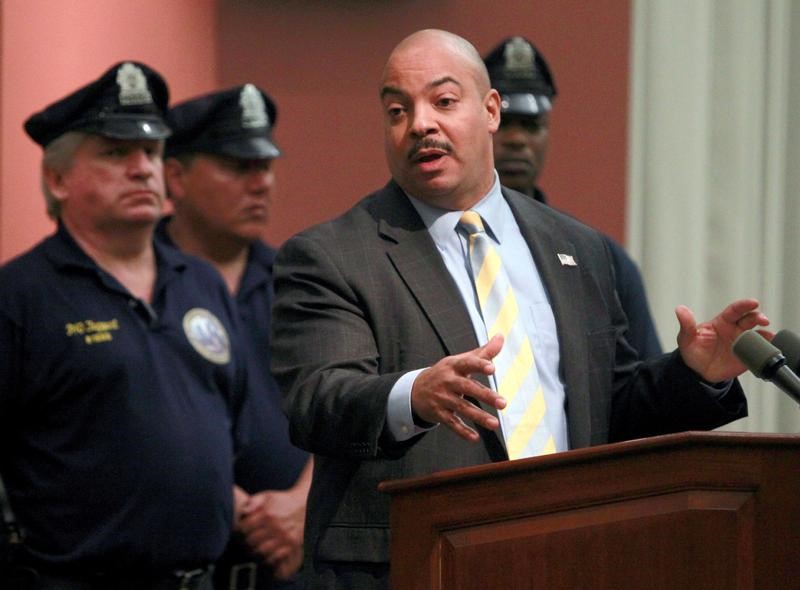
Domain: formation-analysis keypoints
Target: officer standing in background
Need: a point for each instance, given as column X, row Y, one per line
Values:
column 519, row 72
column 219, row 175
column 120, row 368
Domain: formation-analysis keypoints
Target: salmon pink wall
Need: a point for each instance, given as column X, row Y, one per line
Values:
column 50, row 47
column 322, row 59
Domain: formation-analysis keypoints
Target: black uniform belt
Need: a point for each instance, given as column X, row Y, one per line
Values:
column 247, row 575
column 28, row 578
column 242, row 576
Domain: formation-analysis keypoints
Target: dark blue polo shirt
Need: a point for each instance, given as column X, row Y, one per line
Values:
column 269, row 461
column 116, row 416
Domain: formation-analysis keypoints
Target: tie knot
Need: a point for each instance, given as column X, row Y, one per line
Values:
column 471, row 222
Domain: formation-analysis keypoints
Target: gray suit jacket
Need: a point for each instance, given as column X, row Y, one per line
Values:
column 364, row 298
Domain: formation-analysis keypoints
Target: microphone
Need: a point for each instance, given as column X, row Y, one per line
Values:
column 789, row 343
column 766, row 362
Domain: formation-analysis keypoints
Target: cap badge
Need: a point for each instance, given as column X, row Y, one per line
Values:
column 519, row 57
column 207, row 335
column 254, row 111
column 132, row 85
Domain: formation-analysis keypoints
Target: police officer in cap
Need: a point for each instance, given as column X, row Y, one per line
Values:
column 120, row 363
column 519, row 72
column 220, row 178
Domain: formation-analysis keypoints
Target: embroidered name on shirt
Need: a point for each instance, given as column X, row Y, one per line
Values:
column 92, row 331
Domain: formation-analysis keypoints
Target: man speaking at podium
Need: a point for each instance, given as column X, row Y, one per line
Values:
column 446, row 321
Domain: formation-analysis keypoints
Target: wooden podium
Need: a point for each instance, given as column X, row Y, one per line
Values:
column 687, row 511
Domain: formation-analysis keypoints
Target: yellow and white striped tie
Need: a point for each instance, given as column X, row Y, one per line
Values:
column 516, row 377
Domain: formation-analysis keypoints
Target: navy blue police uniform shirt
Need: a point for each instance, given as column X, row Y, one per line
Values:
column 117, row 418
column 269, row 461
column 641, row 333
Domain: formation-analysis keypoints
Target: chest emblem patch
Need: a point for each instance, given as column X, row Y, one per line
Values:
column 207, row 335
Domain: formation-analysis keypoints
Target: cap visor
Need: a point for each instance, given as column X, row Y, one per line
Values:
column 524, row 104
column 124, row 128
column 250, row 147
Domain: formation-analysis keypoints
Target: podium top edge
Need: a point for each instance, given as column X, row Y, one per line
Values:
column 662, row 443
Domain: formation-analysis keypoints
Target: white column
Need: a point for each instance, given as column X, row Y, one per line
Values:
column 712, row 199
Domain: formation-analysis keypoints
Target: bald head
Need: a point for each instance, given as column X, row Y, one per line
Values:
column 419, row 45
column 439, row 116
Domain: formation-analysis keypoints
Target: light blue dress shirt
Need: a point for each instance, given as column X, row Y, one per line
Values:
column 535, row 310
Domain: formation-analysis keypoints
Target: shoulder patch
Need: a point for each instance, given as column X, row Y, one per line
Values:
column 207, row 335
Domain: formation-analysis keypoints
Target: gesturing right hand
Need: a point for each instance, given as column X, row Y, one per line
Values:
column 439, row 391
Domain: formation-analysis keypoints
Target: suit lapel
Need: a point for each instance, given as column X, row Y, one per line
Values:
column 413, row 253
column 416, row 259
column 564, row 284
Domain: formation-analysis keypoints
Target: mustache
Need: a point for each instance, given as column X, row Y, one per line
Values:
column 426, row 143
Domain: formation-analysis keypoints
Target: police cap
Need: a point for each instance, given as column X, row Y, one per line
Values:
column 520, row 74
column 129, row 101
column 236, row 122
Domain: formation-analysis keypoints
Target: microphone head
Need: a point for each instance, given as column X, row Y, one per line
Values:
column 789, row 344
column 758, row 355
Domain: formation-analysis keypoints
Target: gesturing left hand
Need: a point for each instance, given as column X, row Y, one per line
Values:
column 707, row 347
